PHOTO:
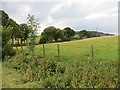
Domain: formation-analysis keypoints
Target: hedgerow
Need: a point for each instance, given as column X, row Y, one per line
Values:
column 49, row 73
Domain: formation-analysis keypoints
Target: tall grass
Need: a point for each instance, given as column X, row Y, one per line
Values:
column 73, row 70
column 47, row 73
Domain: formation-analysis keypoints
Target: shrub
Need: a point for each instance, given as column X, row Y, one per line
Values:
column 43, row 40
column 51, row 74
column 7, row 50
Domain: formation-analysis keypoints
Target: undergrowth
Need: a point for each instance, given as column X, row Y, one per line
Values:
column 49, row 73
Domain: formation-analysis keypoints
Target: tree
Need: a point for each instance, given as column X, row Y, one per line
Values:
column 24, row 28
column 16, row 33
column 49, row 33
column 58, row 34
column 84, row 33
column 6, row 36
column 4, row 18
column 33, row 27
column 43, row 40
column 6, row 22
column 68, row 32
column 6, row 33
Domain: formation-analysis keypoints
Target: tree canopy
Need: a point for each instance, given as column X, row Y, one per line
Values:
column 25, row 29
column 68, row 32
column 84, row 33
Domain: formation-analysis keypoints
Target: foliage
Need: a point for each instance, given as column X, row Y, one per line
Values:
column 58, row 34
column 49, row 33
column 50, row 74
column 16, row 33
column 43, row 40
column 4, row 18
column 84, row 33
column 6, row 47
column 34, row 25
column 68, row 32
column 9, row 22
column 24, row 28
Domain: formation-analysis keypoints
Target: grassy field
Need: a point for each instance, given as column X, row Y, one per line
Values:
column 105, row 48
column 105, row 54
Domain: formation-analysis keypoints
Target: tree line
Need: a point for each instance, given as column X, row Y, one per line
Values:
column 18, row 34
column 52, row 34
column 11, row 32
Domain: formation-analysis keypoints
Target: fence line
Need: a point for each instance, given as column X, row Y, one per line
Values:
column 58, row 52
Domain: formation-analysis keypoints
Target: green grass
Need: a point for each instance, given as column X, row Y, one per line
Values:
column 105, row 54
column 105, row 48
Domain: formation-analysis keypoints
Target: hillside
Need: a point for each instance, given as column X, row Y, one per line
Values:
column 31, row 72
column 104, row 48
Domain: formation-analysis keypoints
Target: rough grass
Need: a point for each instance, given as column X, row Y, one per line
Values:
column 13, row 79
column 105, row 54
column 35, row 72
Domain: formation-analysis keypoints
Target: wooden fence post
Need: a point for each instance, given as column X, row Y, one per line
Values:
column 58, row 52
column 91, row 54
column 43, row 50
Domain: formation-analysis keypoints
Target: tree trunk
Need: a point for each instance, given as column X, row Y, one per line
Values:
column 18, row 41
column 12, row 41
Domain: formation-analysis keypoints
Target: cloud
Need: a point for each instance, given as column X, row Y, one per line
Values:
column 96, row 15
column 77, row 14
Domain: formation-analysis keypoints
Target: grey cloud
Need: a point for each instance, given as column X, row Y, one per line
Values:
column 70, row 13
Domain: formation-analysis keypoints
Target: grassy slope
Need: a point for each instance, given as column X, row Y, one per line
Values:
column 12, row 78
column 104, row 48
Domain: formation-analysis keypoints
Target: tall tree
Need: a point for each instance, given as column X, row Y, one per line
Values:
column 6, row 33
column 68, row 32
column 6, row 21
column 4, row 18
column 6, row 47
column 24, row 28
column 58, row 34
column 16, row 33
column 49, row 33
column 84, row 33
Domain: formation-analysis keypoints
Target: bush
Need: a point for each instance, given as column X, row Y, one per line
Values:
column 7, row 51
column 51, row 74
column 43, row 40
column 66, row 39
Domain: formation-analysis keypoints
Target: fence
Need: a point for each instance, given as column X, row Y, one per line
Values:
column 59, row 51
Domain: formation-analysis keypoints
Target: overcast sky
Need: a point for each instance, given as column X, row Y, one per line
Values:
column 77, row 14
